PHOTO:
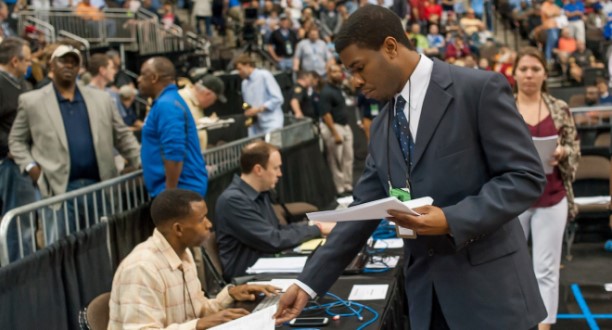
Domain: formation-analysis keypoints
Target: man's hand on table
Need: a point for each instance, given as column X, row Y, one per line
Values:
column 291, row 304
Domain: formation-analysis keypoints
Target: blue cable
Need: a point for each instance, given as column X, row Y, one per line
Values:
column 350, row 305
column 384, row 230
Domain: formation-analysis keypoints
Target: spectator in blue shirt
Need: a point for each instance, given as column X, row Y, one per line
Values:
column 435, row 39
column 262, row 94
column 574, row 10
column 171, row 156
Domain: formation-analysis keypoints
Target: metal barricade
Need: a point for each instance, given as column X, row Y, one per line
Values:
column 47, row 29
column 60, row 215
column 120, row 25
column 226, row 158
column 598, row 115
column 109, row 25
column 66, row 213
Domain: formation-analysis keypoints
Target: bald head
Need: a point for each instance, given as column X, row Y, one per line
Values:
column 156, row 73
column 163, row 67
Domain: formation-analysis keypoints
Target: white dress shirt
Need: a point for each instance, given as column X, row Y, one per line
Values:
column 416, row 94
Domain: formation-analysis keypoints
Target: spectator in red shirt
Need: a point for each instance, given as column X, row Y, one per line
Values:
column 456, row 50
column 418, row 10
column 432, row 12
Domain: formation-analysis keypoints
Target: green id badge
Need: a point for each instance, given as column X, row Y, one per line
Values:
column 403, row 194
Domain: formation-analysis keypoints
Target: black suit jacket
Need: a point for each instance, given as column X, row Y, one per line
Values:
column 475, row 157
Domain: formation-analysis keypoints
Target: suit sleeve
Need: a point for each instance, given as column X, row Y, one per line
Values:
column 346, row 239
column 516, row 175
column 123, row 138
column 248, row 226
column 20, row 137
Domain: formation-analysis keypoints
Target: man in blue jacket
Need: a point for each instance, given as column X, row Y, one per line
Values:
column 171, row 156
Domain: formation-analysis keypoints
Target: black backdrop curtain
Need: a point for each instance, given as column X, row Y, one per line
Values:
column 306, row 176
column 128, row 229
column 47, row 289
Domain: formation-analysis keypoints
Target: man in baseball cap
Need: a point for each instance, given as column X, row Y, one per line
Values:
column 213, row 84
column 205, row 90
column 65, row 50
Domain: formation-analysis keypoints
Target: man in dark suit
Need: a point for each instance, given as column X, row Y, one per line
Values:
column 455, row 135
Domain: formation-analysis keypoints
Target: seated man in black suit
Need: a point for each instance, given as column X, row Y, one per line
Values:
column 246, row 225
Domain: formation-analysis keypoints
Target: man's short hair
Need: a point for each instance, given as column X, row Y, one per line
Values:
column 244, row 59
column 172, row 205
column 163, row 67
column 113, row 53
column 97, row 61
column 11, row 47
column 368, row 27
column 256, row 153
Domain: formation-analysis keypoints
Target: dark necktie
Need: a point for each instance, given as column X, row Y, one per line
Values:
column 401, row 128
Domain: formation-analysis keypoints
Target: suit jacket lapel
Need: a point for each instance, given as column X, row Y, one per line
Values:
column 92, row 111
column 435, row 105
column 55, row 115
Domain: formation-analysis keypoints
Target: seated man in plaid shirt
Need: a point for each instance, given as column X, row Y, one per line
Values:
column 156, row 285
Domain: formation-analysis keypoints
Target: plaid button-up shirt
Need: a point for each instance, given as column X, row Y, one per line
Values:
column 155, row 289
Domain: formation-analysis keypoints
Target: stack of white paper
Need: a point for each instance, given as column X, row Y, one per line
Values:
column 278, row 265
column 372, row 210
column 369, row 292
column 546, row 147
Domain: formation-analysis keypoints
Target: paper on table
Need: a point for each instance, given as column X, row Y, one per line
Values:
column 259, row 320
column 608, row 287
column 546, row 148
column 379, row 262
column 369, row 292
column 278, row 265
column 389, row 243
column 311, row 244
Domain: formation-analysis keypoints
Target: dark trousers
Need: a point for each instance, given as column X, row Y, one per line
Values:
column 438, row 322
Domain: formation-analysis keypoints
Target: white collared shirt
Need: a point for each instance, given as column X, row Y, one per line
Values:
column 416, row 94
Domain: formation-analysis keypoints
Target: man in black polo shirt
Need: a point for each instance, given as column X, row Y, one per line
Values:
column 301, row 102
column 336, row 131
column 282, row 44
